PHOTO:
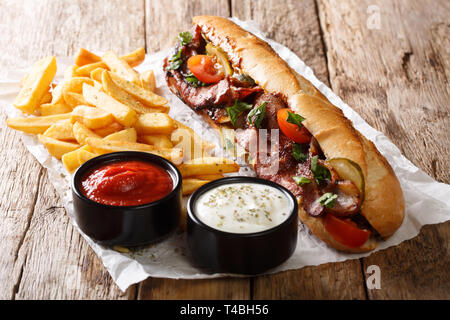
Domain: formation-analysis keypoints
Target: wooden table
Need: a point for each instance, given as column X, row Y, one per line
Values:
column 389, row 60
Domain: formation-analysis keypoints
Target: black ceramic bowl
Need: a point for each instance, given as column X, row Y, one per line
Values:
column 244, row 253
column 127, row 225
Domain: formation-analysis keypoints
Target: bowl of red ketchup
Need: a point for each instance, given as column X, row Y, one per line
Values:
column 127, row 198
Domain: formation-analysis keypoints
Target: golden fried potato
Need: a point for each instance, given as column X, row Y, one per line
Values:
column 57, row 148
column 157, row 140
column 189, row 185
column 62, row 130
column 154, row 123
column 48, row 109
column 91, row 117
column 35, row 85
column 120, row 67
column 122, row 113
column 35, row 125
column 207, row 165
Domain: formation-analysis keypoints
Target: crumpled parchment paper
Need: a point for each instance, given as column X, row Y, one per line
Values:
column 426, row 199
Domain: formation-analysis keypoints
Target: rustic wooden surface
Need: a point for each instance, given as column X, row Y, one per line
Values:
column 395, row 75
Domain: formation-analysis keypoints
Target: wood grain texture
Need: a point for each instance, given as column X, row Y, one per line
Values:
column 396, row 77
column 164, row 20
column 45, row 256
column 58, row 263
column 295, row 24
column 16, row 204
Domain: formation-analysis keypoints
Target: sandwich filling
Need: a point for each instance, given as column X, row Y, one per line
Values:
column 201, row 75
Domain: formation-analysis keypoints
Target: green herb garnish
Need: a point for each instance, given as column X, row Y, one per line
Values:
column 328, row 199
column 236, row 109
column 193, row 81
column 256, row 115
column 185, row 38
column 319, row 172
column 300, row 180
column 295, row 119
column 297, row 152
column 175, row 61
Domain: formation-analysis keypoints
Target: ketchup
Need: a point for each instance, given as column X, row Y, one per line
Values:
column 127, row 183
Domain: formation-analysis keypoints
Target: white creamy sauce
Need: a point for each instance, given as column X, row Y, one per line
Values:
column 243, row 207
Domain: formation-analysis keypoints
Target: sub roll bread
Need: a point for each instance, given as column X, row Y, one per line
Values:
column 349, row 195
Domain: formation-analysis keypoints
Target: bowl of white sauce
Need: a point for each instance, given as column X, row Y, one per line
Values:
column 242, row 225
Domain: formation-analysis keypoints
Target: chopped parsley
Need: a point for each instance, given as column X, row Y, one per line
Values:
column 300, row 180
column 328, row 199
column 295, row 119
column 185, row 38
column 297, row 152
column 236, row 109
column 193, row 81
column 175, row 61
column 256, row 115
column 319, row 172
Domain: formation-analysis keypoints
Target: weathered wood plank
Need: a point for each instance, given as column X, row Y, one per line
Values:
column 395, row 74
column 47, row 254
column 58, row 263
column 295, row 24
column 164, row 20
column 16, row 204
column 159, row 37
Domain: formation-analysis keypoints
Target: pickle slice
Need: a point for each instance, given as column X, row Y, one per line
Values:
column 221, row 57
column 349, row 170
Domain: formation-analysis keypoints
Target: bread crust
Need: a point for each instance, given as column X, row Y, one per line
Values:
column 384, row 204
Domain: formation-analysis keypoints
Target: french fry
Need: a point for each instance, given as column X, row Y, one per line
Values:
column 209, row 177
column 147, row 97
column 71, row 160
column 111, row 128
column 207, row 165
column 128, row 135
column 96, row 74
column 102, row 146
column 189, row 185
column 57, row 148
column 47, row 97
column 57, row 93
column 84, row 155
column 62, row 130
column 35, row 125
column 85, row 57
column 81, row 133
column 91, row 117
column 35, row 85
column 148, row 81
column 74, row 99
column 85, row 70
column 76, row 84
column 157, row 140
column 122, row 96
column 120, row 67
column 123, row 114
column 154, row 123
column 48, row 109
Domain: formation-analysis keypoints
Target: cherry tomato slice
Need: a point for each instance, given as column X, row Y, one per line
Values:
column 202, row 66
column 291, row 130
column 345, row 232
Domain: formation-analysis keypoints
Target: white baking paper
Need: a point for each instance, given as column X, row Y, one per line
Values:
column 426, row 199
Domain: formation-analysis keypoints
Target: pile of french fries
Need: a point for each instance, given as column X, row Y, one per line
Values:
column 103, row 105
